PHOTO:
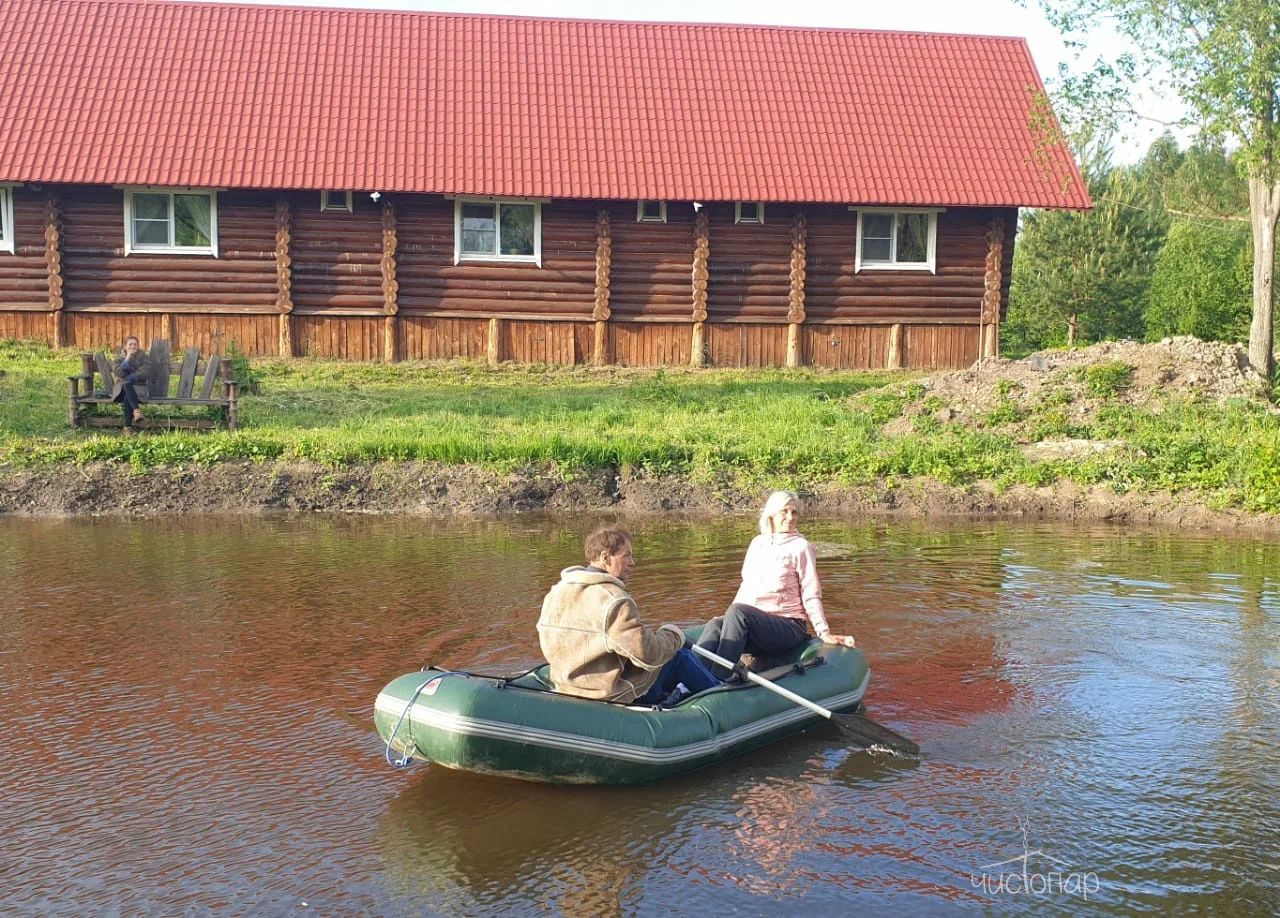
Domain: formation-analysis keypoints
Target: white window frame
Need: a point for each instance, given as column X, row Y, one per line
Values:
column 662, row 211
column 930, row 264
column 459, row 257
column 737, row 213
column 6, row 216
column 131, row 248
column 336, row 201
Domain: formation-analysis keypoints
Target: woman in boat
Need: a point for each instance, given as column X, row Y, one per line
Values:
column 591, row 634
column 780, row 592
column 130, row 370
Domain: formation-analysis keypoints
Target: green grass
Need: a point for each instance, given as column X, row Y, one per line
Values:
column 749, row 428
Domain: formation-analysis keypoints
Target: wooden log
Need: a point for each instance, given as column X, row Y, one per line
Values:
column 232, row 391
column 74, row 417
column 893, row 359
column 285, row 330
column 491, row 351
column 390, row 284
column 793, row 345
column 53, row 265
column 698, row 345
column 604, row 265
column 701, row 254
column 600, row 343
column 390, row 350
column 390, row 287
column 989, row 327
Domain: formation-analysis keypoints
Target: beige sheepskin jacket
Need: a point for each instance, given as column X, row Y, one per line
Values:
column 591, row 634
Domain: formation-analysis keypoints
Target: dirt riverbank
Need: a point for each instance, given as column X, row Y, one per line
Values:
column 440, row 490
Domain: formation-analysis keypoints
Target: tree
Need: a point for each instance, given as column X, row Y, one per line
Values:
column 1222, row 57
column 1083, row 276
column 1200, row 285
column 1202, row 280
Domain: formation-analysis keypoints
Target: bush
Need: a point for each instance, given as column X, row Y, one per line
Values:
column 1106, row 379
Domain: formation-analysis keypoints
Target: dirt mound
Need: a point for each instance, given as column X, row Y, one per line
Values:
column 1080, row 381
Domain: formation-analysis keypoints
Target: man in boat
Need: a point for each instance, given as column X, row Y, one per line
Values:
column 591, row 634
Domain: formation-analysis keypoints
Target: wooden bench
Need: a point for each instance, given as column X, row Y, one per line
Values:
column 196, row 383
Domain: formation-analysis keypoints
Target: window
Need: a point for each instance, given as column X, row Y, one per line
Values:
column 171, row 221
column 748, row 212
column 336, row 200
column 6, row 219
column 651, row 211
column 497, row 231
column 902, row 240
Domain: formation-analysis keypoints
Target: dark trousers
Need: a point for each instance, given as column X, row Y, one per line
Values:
column 683, row 667
column 745, row 629
column 128, row 397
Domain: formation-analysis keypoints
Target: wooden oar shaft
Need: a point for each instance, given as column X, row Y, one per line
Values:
column 771, row 686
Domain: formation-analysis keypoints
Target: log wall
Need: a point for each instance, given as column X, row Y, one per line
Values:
column 380, row 284
column 98, row 275
column 750, row 265
column 564, row 287
column 24, row 283
column 335, row 259
column 650, row 278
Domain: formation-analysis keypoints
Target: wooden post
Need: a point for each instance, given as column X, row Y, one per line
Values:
column 491, row 346
column 989, row 320
column 795, row 295
column 600, row 311
column 284, row 275
column 53, row 266
column 701, row 255
column 893, row 358
column 390, row 286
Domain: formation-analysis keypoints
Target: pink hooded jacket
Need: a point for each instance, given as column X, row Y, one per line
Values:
column 780, row 575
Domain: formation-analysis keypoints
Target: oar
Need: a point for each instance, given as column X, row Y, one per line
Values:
column 858, row 728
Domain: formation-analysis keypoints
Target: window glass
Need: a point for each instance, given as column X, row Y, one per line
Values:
column 517, row 229
column 191, row 215
column 479, row 229
column 877, row 237
column 749, row 212
column 913, row 237
column 651, row 210
column 151, row 207
column 4, row 216
column 151, row 219
column 335, row 200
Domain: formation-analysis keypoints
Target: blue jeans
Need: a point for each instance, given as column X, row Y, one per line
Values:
column 683, row 667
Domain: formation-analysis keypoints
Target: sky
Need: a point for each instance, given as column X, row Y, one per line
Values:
column 973, row 17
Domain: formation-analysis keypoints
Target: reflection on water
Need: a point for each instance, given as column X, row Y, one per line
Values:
column 187, row 723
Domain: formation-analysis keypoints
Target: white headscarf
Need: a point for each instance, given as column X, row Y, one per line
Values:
column 777, row 500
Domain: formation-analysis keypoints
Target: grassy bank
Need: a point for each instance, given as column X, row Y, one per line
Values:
column 745, row 428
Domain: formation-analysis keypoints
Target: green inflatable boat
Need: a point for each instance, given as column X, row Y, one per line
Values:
column 520, row 728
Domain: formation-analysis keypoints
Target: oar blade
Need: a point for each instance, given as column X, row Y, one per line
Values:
column 865, row 732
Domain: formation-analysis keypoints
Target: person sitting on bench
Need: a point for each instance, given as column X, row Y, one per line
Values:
column 130, row 370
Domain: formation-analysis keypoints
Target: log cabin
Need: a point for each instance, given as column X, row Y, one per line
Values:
column 378, row 185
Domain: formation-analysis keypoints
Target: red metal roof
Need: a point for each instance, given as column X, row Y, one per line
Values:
column 198, row 94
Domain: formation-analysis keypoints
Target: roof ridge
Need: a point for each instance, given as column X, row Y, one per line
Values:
column 515, row 17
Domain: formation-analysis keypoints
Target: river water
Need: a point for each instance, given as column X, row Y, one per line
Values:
column 186, row 725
